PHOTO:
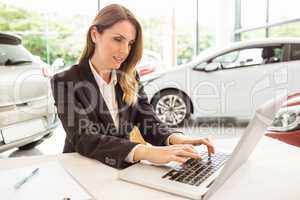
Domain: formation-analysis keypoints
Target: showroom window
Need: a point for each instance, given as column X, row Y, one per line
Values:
column 286, row 30
column 271, row 19
column 49, row 30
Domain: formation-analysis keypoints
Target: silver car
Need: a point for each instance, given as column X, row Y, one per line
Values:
column 27, row 112
column 226, row 82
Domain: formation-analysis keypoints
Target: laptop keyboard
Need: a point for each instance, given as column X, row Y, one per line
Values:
column 196, row 171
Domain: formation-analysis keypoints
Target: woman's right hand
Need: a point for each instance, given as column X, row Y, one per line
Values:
column 164, row 154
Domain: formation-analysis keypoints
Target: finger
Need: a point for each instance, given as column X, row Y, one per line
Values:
column 179, row 159
column 210, row 147
column 187, row 147
column 190, row 148
column 208, row 144
column 180, row 146
column 177, row 146
column 209, row 151
column 187, row 154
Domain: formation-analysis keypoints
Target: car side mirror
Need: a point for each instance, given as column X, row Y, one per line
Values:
column 212, row 67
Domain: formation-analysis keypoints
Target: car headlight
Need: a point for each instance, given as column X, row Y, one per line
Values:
column 285, row 121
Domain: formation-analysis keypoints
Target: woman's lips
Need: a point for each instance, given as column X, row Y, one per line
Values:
column 118, row 59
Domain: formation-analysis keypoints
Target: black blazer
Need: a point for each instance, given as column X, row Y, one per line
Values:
column 88, row 124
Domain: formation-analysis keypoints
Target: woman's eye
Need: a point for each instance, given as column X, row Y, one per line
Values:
column 118, row 39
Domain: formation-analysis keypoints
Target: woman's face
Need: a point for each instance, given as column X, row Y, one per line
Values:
column 113, row 45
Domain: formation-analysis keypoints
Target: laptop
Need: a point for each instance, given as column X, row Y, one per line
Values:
column 197, row 179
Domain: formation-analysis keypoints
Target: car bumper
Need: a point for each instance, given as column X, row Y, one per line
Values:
column 8, row 142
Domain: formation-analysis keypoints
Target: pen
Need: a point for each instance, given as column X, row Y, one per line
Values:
column 24, row 180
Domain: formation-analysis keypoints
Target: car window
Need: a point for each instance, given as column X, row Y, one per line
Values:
column 295, row 52
column 227, row 58
column 249, row 57
column 278, row 53
column 238, row 58
column 14, row 54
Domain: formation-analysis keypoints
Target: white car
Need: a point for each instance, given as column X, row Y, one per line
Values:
column 228, row 82
column 27, row 111
column 150, row 62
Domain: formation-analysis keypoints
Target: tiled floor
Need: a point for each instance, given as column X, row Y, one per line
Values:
column 214, row 129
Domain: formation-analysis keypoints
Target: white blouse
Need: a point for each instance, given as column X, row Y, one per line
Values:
column 108, row 92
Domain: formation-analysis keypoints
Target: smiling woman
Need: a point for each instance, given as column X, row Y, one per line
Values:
column 101, row 102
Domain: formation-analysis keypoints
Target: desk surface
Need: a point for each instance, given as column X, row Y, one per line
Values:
column 272, row 172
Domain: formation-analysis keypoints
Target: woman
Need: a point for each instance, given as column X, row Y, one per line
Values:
column 100, row 100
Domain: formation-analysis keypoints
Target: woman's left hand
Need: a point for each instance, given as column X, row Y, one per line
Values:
column 182, row 139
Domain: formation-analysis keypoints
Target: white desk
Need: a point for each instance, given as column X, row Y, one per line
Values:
column 272, row 172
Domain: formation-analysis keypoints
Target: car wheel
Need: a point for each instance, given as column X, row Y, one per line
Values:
column 35, row 143
column 172, row 107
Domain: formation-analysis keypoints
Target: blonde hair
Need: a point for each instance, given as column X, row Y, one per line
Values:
column 106, row 18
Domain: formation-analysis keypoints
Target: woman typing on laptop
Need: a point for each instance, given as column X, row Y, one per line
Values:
column 102, row 105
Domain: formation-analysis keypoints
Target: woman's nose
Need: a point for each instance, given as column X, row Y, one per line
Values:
column 125, row 48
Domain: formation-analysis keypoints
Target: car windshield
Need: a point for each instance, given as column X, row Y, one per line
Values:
column 14, row 55
column 203, row 55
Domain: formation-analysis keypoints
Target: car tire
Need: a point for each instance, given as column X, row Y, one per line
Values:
column 35, row 143
column 172, row 107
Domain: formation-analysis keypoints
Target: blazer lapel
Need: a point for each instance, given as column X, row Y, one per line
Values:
column 101, row 108
column 124, row 112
